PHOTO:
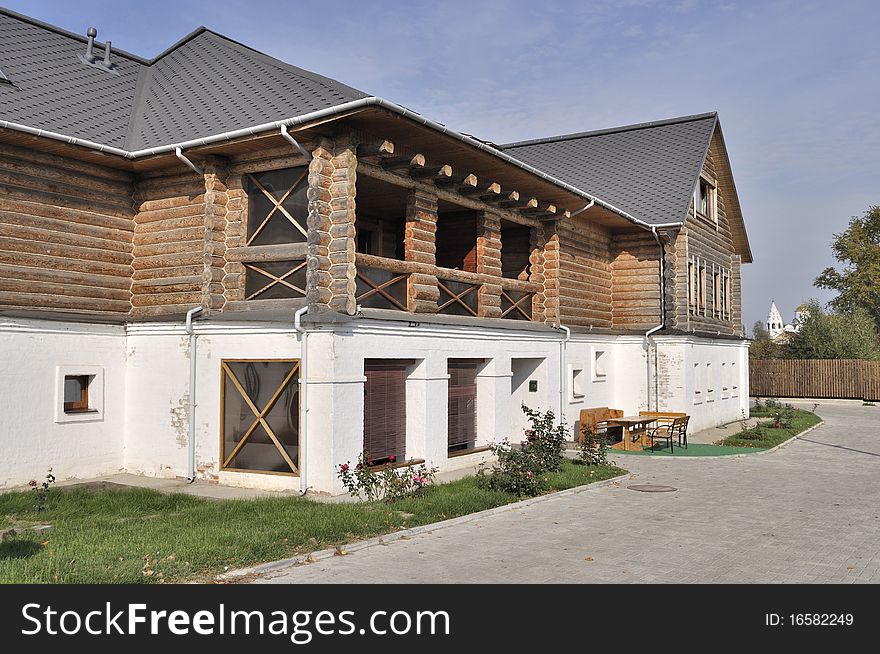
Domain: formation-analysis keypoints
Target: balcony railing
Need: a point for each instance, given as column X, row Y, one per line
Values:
column 382, row 284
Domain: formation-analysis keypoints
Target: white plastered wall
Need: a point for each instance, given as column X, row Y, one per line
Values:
column 157, row 395
column 33, row 353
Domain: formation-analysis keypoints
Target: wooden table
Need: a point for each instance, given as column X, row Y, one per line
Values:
column 631, row 425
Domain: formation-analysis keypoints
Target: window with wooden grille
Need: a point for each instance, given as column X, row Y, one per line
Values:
column 385, row 409
column 704, row 201
column 278, row 208
column 697, row 286
column 462, row 404
column 259, row 419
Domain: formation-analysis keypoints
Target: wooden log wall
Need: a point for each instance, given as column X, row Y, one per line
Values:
column 65, row 234
column 635, row 280
column 701, row 238
column 585, row 276
column 169, row 243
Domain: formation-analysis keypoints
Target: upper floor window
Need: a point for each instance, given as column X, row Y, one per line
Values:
column 704, row 200
column 697, row 286
column 278, row 208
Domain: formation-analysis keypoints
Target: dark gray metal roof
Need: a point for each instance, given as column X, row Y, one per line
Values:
column 204, row 84
column 649, row 170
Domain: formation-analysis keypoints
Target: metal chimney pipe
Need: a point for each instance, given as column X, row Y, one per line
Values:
column 91, row 33
column 107, row 63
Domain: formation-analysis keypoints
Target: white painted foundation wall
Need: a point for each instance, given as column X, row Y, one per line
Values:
column 146, row 403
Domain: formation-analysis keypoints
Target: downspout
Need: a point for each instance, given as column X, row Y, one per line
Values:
column 289, row 138
column 563, row 347
column 191, row 429
column 303, row 396
column 662, row 324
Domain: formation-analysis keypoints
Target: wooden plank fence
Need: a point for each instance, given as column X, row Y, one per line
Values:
column 829, row 378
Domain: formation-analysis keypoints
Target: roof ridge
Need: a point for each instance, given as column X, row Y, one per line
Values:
column 613, row 130
column 328, row 82
column 71, row 35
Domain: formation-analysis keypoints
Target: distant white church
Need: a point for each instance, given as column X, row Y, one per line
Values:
column 776, row 326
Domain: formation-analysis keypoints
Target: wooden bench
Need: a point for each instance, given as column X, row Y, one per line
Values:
column 593, row 420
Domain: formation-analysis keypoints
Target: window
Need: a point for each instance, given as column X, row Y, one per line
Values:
column 698, row 384
column 278, row 208
column 710, row 384
column 385, row 409
column 716, row 292
column 734, row 380
column 79, row 394
column 704, row 200
column 462, row 404
column 599, row 372
column 76, row 393
column 697, row 286
column 259, row 416
column 725, row 381
column 577, row 384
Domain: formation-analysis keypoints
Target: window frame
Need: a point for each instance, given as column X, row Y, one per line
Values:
column 469, row 364
column 94, row 396
column 711, row 196
column 225, row 459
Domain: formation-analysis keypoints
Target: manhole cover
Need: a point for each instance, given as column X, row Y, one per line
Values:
column 652, row 488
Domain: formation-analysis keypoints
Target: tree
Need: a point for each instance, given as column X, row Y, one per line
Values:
column 851, row 335
column 762, row 346
column 858, row 249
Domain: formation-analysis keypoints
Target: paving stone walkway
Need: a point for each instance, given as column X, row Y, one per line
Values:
column 809, row 512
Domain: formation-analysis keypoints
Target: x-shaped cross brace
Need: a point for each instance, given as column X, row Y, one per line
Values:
column 277, row 206
column 260, row 415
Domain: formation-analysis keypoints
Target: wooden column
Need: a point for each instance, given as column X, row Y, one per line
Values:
column 214, row 249
column 331, row 272
column 489, row 263
column 343, row 271
column 419, row 245
column 234, row 272
column 545, row 271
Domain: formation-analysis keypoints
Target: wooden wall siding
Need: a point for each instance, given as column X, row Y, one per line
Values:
column 584, row 283
column 635, row 288
column 65, row 234
column 714, row 245
column 169, row 243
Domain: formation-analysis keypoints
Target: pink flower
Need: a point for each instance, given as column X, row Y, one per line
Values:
column 343, row 467
column 530, row 474
column 391, row 458
column 32, row 482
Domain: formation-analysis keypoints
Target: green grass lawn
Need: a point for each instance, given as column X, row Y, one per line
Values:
column 770, row 436
column 142, row 536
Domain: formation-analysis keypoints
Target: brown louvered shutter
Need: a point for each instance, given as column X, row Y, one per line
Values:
column 462, row 412
column 385, row 409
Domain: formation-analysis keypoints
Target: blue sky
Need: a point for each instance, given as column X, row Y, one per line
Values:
column 797, row 86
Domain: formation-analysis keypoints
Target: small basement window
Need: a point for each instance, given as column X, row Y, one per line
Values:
column 79, row 394
column 599, row 372
column 76, row 393
column 577, row 384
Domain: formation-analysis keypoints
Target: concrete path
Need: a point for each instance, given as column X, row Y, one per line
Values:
column 809, row 512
